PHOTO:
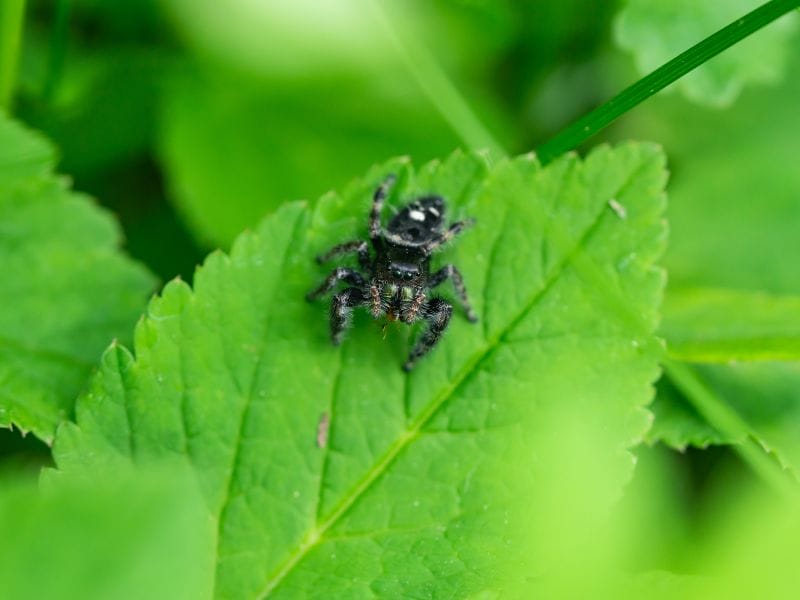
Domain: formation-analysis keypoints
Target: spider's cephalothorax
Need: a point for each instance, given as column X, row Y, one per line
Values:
column 397, row 280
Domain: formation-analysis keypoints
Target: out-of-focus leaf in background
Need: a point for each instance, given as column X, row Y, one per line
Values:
column 103, row 112
column 734, row 226
column 67, row 288
column 678, row 424
column 104, row 538
column 656, row 31
column 435, row 482
column 289, row 39
column 718, row 325
column 280, row 116
column 764, row 394
column 90, row 78
column 235, row 150
column 239, row 140
column 735, row 196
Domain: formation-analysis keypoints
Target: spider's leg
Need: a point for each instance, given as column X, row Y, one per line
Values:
column 342, row 307
column 351, row 276
column 447, row 235
column 358, row 246
column 437, row 313
column 377, row 204
column 450, row 272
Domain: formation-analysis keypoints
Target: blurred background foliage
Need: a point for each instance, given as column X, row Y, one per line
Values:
column 191, row 127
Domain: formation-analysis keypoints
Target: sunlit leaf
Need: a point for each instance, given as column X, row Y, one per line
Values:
column 329, row 472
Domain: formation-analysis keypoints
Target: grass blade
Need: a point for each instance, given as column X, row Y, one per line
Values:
column 593, row 122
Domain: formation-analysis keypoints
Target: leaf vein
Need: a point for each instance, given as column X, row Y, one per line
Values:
column 236, row 460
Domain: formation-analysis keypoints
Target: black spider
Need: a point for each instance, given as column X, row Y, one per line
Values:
column 398, row 279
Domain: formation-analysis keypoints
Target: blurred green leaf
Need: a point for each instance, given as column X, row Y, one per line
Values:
column 329, row 471
column 119, row 21
column 766, row 396
column 747, row 543
column 734, row 214
column 717, row 325
column 734, row 223
column 287, row 38
column 678, row 424
column 66, row 290
column 234, row 150
column 105, row 105
column 657, row 31
column 301, row 39
column 103, row 539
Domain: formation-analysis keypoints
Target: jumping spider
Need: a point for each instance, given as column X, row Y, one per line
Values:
column 398, row 280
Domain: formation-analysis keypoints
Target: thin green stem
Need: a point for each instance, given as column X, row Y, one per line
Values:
column 12, row 14
column 435, row 83
column 590, row 124
column 722, row 417
column 58, row 49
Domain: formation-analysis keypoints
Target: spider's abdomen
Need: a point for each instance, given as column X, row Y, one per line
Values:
column 419, row 221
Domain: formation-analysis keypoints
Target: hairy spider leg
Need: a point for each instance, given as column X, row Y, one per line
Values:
column 437, row 313
column 447, row 235
column 351, row 276
column 358, row 246
column 342, row 307
column 377, row 205
column 413, row 311
column 450, row 272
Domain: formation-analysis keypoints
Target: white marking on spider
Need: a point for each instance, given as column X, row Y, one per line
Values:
column 417, row 215
column 622, row 213
column 433, row 211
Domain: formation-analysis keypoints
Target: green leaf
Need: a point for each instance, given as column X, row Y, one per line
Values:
column 330, row 469
column 717, row 325
column 300, row 39
column 734, row 220
column 678, row 424
column 104, row 112
column 763, row 396
column 656, row 31
column 66, row 289
column 235, row 150
column 103, row 539
column 734, row 216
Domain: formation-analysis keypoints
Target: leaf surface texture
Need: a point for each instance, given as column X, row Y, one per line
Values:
column 423, row 484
